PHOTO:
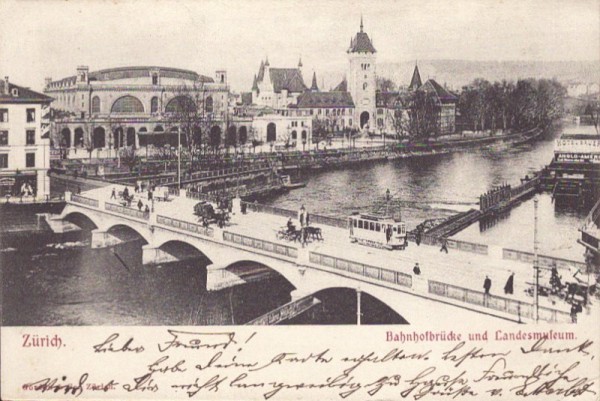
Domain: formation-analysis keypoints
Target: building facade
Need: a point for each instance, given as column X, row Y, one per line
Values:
column 103, row 110
column 277, row 87
column 24, row 142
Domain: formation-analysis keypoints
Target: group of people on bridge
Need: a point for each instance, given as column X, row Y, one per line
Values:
column 127, row 198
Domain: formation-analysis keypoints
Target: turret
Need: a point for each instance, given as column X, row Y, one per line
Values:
column 82, row 74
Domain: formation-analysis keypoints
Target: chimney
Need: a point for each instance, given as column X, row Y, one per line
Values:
column 48, row 81
column 6, row 88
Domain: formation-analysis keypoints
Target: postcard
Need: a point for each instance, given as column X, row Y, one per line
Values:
column 299, row 200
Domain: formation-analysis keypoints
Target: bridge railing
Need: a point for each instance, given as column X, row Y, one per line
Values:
column 84, row 201
column 543, row 260
column 285, row 312
column 372, row 272
column 186, row 226
column 127, row 211
column 459, row 245
column 495, row 302
column 256, row 243
column 314, row 218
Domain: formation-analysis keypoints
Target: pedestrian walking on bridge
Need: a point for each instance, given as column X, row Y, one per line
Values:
column 444, row 247
column 508, row 287
column 417, row 269
column 487, row 285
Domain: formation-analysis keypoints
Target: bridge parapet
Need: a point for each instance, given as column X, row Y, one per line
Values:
column 186, row 226
column 372, row 272
column 267, row 246
column 82, row 200
column 127, row 211
column 495, row 302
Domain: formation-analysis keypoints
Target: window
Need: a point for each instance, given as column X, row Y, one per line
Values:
column 154, row 105
column 372, row 226
column 379, row 111
column 3, row 115
column 360, row 224
column 30, row 115
column 355, row 223
column 3, row 160
column 29, row 159
column 350, row 122
column 365, row 86
column 154, row 79
column 377, row 227
column 30, row 137
column 208, row 105
column 95, row 104
column 3, row 138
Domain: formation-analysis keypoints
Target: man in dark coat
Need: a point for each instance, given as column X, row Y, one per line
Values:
column 417, row 269
column 487, row 284
column 508, row 287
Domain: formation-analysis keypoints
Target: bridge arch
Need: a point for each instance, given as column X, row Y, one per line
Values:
column 126, row 232
column 82, row 220
column 182, row 250
column 340, row 307
column 251, row 270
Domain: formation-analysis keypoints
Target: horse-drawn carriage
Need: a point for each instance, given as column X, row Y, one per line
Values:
column 291, row 233
column 207, row 214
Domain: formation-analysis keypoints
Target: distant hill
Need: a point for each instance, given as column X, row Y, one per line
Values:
column 456, row 73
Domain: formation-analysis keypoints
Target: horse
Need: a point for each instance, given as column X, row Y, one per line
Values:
column 314, row 233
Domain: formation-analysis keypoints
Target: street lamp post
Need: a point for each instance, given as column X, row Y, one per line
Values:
column 179, row 157
column 358, row 309
column 536, row 268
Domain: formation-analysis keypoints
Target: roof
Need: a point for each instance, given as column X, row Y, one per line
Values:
column 580, row 136
column 144, row 71
column 111, row 74
column 415, row 82
column 310, row 100
column 342, row 86
column 255, row 84
column 442, row 93
column 387, row 99
column 25, row 95
column 287, row 78
column 361, row 43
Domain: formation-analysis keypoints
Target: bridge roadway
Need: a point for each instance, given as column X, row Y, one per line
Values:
column 449, row 288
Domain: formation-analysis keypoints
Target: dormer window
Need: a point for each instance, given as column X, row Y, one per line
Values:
column 15, row 92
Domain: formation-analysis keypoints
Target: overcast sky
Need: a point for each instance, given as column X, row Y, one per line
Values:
column 50, row 38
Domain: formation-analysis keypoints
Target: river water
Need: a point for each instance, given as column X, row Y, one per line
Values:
column 58, row 280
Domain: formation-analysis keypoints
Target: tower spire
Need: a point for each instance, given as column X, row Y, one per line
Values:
column 361, row 23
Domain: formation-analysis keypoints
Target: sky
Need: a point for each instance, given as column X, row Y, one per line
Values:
column 50, row 38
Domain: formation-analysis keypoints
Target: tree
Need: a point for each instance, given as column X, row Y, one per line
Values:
column 398, row 117
column 386, row 85
column 594, row 112
column 423, row 115
column 319, row 131
column 128, row 157
column 188, row 112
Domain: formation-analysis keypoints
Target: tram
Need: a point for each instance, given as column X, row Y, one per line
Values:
column 377, row 230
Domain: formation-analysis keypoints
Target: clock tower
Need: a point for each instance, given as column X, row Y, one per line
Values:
column 362, row 79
